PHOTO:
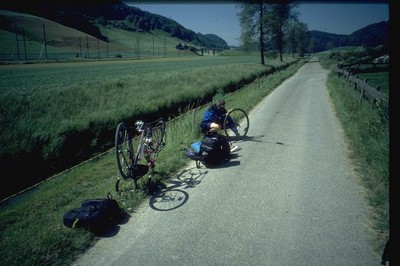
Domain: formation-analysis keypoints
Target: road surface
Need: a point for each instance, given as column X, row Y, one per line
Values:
column 290, row 196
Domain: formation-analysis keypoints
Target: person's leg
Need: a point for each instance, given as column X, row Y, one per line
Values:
column 231, row 124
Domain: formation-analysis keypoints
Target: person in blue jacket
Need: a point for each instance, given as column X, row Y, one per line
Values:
column 214, row 117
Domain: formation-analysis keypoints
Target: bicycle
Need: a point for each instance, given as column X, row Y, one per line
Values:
column 151, row 141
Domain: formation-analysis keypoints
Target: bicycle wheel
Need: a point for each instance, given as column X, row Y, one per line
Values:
column 124, row 151
column 240, row 118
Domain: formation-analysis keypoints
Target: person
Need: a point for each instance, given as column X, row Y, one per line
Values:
column 213, row 119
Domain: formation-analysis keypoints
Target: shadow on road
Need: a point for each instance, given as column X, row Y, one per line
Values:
column 249, row 138
column 173, row 196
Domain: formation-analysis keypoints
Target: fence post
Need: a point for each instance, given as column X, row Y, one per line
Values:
column 387, row 108
column 195, row 111
column 362, row 94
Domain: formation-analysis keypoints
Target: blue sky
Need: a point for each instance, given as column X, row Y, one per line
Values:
column 220, row 18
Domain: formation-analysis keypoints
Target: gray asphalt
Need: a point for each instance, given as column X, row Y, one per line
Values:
column 290, row 196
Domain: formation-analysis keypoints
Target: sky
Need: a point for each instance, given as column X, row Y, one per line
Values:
column 221, row 18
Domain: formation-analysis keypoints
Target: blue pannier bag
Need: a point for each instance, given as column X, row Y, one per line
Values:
column 196, row 147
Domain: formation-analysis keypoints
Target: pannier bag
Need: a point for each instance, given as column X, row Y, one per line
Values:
column 215, row 149
column 95, row 215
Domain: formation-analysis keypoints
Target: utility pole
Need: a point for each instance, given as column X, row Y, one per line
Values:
column 87, row 46
column 44, row 41
column 16, row 38
column 26, row 56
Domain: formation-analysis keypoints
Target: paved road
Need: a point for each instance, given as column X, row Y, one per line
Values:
column 289, row 197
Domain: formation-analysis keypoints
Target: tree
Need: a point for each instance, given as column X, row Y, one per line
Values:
column 278, row 18
column 301, row 38
column 251, row 19
column 265, row 21
column 312, row 44
column 297, row 37
column 291, row 38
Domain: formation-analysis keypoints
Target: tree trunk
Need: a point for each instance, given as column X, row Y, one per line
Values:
column 262, row 46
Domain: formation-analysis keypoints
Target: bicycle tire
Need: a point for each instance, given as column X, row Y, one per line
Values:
column 241, row 119
column 124, row 151
column 158, row 134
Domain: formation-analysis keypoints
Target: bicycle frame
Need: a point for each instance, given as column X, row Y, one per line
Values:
column 144, row 149
column 150, row 142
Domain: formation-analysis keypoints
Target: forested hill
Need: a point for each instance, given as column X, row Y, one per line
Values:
column 370, row 36
column 84, row 16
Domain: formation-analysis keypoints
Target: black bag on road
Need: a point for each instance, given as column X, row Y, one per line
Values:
column 215, row 149
column 95, row 215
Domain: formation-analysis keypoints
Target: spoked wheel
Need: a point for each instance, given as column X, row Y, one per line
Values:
column 124, row 151
column 240, row 118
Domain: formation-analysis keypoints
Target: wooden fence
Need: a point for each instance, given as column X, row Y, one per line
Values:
column 367, row 92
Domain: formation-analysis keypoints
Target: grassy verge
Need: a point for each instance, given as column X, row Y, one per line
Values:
column 367, row 133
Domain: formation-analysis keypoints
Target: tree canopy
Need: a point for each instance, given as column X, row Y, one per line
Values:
column 269, row 25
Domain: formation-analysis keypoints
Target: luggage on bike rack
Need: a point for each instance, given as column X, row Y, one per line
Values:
column 212, row 150
column 215, row 149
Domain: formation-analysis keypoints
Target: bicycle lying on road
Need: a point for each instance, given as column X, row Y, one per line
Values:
column 137, row 156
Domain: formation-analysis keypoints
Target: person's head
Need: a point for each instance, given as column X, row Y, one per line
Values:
column 220, row 103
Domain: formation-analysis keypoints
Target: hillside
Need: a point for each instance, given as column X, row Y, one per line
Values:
column 89, row 17
column 370, row 36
